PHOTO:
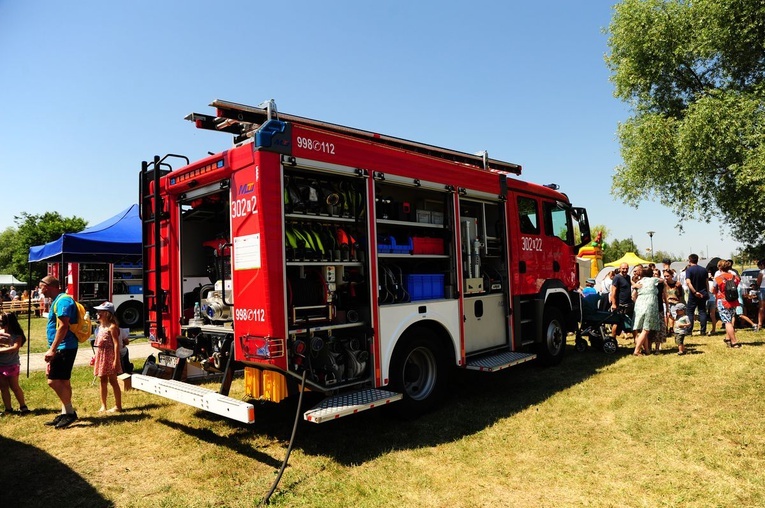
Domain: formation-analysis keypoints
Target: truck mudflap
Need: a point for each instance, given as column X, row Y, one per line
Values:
column 196, row 396
column 350, row 403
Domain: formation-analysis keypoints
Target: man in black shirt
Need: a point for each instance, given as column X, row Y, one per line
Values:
column 621, row 295
column 696, row 278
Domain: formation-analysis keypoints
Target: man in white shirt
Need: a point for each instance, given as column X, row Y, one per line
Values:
column 607, row 282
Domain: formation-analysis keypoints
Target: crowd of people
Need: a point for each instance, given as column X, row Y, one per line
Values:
column 63, row 345
column 11, row 294
column 658, row 302
column 653, row 301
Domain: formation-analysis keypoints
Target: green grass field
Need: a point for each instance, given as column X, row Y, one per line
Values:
column 34, row 329
column 599, row 431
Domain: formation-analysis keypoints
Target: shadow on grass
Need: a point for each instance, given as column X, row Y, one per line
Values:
column 33, row 478
column 476, row 401
column 238, row 444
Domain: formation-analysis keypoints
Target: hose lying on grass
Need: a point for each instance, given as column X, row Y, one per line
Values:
column 292, row 442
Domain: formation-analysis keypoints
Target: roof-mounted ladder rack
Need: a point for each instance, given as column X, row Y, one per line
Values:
column 242, row 121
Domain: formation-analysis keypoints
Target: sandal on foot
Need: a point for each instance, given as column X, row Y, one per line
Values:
column 24, row 410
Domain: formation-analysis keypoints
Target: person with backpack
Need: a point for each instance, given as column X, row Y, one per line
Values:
column 727, row 300
column 62, row 348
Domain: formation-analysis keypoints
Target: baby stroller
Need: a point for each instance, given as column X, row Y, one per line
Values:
column 596, row 325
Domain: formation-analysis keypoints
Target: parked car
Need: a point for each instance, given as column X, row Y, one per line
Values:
column 749, row 276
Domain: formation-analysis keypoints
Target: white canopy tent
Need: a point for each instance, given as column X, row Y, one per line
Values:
column 10, row 280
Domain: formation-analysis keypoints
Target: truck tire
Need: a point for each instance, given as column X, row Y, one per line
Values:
column 419, row 371
column 553, row 343
column 130, row 314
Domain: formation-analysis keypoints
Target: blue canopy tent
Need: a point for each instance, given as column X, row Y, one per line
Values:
column 114, row 240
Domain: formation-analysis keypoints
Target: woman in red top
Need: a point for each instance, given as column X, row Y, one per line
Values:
column 726, row 309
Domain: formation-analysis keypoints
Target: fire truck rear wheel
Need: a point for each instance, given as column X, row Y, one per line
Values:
column 130, row 314
column 419, row 371
column 553, row 343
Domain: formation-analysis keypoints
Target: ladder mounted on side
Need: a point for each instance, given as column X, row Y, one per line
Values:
column 243, row 121
column 152, row 213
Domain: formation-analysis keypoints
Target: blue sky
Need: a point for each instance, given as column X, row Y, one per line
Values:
column 92, row 88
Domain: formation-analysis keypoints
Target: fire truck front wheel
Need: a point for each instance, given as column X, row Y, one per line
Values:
column 553, row 342
column 419, row 371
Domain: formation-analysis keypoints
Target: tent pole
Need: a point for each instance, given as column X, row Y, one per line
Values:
column 29, row 318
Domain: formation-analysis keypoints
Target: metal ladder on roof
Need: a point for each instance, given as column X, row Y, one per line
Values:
column 243, row 121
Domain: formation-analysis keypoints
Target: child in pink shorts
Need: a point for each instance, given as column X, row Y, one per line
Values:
column 11, row 339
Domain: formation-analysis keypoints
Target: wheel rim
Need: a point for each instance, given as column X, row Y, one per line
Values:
column 130, row 316
column 420, row 373
column 555, row 337
column 609, row 346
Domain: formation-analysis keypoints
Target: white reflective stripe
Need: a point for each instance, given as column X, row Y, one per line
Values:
column 318, row 165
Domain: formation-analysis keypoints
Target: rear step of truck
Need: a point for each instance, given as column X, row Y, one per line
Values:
column 498, row 361
column 350, row 403
column 196, row 396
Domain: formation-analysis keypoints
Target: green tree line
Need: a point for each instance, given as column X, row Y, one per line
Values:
column 32, row 230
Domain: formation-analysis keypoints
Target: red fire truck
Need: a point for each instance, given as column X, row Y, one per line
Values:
column 358, row 265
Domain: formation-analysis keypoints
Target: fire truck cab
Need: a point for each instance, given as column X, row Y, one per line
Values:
column 359, row 265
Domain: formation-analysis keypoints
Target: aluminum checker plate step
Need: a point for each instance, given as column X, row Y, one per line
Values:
column 350, row 403
column 499, row 361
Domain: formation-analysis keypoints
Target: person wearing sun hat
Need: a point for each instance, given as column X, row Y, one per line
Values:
column 589, row 288
column 62, row 348
column 107, row 365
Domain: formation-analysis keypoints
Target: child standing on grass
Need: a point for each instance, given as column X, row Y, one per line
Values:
column 107, row 365
column 682, row 327
column 11, row 339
